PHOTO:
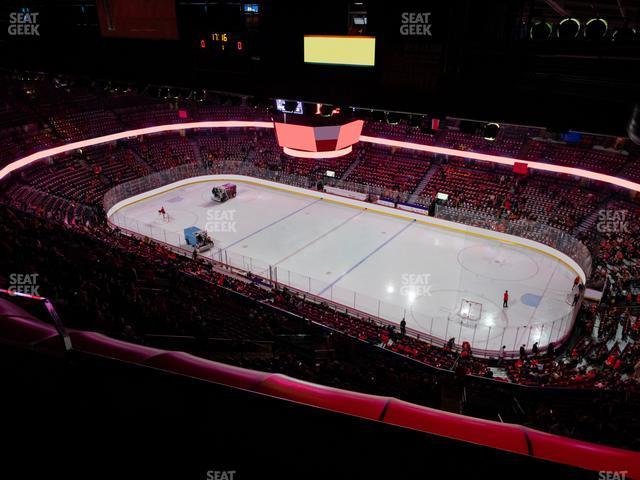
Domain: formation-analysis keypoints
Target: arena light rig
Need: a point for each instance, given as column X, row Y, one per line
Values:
column 547, row 167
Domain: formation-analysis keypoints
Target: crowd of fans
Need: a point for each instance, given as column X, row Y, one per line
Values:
column 103, row 280
column 140, row 291
column 135, row 290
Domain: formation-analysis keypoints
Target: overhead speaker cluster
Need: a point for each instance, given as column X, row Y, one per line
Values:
column 571, row 28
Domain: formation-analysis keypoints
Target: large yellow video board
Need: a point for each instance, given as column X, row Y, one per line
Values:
column 340, row 50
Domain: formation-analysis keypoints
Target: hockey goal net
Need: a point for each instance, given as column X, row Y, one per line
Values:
column 470, row 310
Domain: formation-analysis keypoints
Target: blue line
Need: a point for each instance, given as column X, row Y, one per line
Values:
column 379, row 247
column 320, row 237
column 272, row 224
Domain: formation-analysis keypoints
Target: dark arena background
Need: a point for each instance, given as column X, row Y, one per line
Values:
column 337, row 239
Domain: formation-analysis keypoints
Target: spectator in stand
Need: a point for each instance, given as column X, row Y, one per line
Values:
column 403, row 327
column 451, row 343
column 551, row 350
column 466, row 350
column 523, row 352
column 502, row 356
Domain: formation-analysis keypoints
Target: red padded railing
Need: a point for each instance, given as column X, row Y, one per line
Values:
column 18, row 327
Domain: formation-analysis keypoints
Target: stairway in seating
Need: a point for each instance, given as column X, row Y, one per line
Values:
column 360, row 156
column 423, row 183
column 141, row 159
column 596, row 328
column 590, row 220
column 197, row 153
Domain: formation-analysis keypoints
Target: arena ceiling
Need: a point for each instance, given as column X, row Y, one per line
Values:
column 616, row 12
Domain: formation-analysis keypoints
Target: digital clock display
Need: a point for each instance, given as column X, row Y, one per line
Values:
column 221, row 31
column 223, row 42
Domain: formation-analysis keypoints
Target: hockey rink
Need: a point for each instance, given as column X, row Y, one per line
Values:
column 444, row 283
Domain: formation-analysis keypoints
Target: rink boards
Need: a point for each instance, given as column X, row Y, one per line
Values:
column 385, row 262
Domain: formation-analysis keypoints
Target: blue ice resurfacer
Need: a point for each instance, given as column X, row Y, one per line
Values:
column 198, row 239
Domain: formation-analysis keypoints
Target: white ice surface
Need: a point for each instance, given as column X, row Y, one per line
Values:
column 382, row 265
